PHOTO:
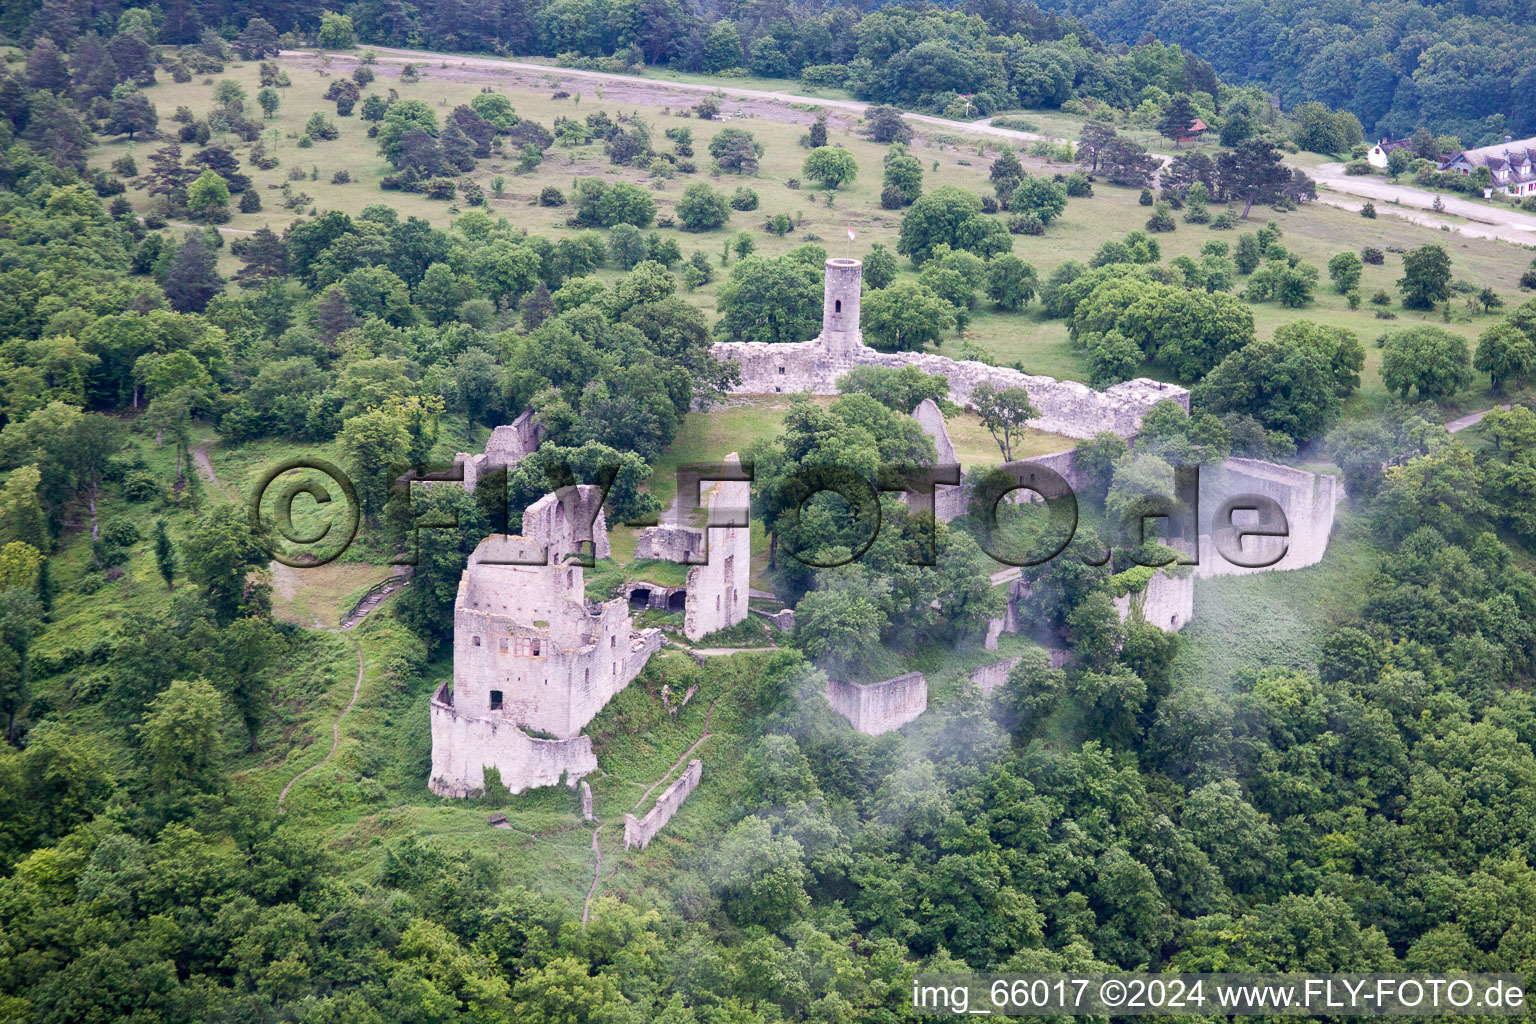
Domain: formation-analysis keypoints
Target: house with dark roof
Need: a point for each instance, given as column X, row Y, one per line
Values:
column 1511, row 162
column 1377, row 155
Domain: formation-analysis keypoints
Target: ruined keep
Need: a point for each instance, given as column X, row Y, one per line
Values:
column 1066, row 407
column 531, row 655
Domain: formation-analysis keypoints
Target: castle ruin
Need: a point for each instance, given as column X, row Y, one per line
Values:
column 533, row 659
column 1066, row 407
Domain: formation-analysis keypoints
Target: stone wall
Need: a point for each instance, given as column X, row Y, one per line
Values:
column 638, row 832
column 670, row 543
column 1309, row 500
column 875, row 708
column 990, row 677
column 506, row 446
column 1066, row 407
column 463, row 745
column 1167, row 602
column 717, row 590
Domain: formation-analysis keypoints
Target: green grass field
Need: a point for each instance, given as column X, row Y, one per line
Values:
column 1315, row 232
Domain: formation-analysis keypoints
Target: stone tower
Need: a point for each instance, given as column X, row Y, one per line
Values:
column 840, row 333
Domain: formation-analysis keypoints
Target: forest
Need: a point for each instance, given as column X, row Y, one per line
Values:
column 1331, row 772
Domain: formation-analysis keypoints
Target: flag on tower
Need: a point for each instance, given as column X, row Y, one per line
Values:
column 850, row 232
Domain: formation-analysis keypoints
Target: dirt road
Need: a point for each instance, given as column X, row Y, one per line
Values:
column 522, row 68
column 1487, row 221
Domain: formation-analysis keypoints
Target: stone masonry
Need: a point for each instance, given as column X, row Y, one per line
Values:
column 1066, row 407
column 638, row 832
column 531, row 654
column 876, row 708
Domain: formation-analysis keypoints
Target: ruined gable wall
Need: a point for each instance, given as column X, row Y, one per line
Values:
column 876, row 708
column 717, row 591
column 638, row 832
column 463, row 744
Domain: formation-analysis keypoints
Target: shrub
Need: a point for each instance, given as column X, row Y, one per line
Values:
column 551, row 196
column 1372, row 255
column 250, row 202
column 988, row 204
column 441, row 188
column 341, row 177
column 1026, row 224
column 1146, row 197
column 1357, row 167
column 893, row 198
column 744, row 199
column 1368, row 211
column 1528, row 279
column 1381, row 298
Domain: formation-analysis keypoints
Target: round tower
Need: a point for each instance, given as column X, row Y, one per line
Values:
column 840, row 332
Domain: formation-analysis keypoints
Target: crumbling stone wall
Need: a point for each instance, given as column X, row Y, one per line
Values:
column 990, row 677
column 669, row 542
column 638, row 832
column 530, row 653
column 1066, row 407
column 876, row 708
column 507, row 445
column 1167, row 602
column 464, row 744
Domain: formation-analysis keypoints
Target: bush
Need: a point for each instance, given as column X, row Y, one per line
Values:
column 1357, row 167
column 701, row 208
column 551, row 196
column 250, row 202
column 892, row 198
column 1079, row 185
column 1146, row 197
column 744, row 199
column 1372, row 255
column 1381, row 298
column 1368, row 211
column 441, row 188
column 1026, row 224
column 1528, row 280
column 988, row 204
column 341, row 177
column 1223, row 222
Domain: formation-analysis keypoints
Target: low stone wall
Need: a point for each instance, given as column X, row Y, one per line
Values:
column 990, row 677
column 670, row 543
column 783, row 620
column 638, row 832
column 463, row 745
column 875, row 708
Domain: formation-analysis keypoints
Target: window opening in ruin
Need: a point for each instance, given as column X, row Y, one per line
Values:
column 837, row 307
column 495, row 700
column 502, row 645
column 475, row 640
column 781, row 369
column 586, row 675
column 538, row 648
